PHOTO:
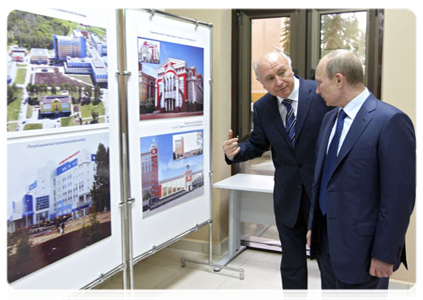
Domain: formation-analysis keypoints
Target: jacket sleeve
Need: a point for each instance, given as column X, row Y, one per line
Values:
column 397, row 163
column 257, row 142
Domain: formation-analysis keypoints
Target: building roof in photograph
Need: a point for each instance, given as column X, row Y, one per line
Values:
column 50, row 99
column 39, row 52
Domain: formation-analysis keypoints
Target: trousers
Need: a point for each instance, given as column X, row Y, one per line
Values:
column 329, row 280
column 293, row 239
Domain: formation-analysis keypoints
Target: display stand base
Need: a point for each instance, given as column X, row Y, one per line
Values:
column 216, row 267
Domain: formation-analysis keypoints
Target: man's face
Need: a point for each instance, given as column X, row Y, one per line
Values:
column 276, row 75
column 327, row 87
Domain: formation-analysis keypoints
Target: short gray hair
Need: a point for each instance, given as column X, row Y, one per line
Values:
column 277, row 50
column 346, row 63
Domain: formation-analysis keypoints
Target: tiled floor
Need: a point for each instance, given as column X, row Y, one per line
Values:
column 163, row 271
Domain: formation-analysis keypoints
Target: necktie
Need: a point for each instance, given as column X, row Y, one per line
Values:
column 290, row 120
column 330, row 161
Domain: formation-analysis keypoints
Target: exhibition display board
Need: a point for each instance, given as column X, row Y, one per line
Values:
column 62, row 192
column 169, row 99
column 65, row 226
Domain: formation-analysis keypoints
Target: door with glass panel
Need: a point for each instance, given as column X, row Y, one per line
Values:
column 263, row 31
column 358, row 31
column 306, row 36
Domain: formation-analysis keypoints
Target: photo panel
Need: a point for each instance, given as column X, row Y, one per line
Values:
column 169, row 116
column 171, row 79
column 57, row 72
column 62, row 184
column 172, row 170
column 58, row 200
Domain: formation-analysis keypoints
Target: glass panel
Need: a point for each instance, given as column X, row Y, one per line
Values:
column 344, row 31
column 266, row 34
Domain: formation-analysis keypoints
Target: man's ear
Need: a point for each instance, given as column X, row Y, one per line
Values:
column 340, row 79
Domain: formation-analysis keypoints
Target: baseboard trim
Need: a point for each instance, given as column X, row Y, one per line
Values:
column 201, row 246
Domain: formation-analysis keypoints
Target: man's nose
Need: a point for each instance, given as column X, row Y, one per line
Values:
column 279, row 80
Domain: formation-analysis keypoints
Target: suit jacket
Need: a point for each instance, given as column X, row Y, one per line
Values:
column 371, row 192
column 293, row 166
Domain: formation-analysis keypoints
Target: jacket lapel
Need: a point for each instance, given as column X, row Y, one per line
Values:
column 304, row 104
column 362, row 119
column 324, row 142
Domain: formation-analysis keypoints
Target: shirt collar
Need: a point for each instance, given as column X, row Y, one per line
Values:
column 294, row 94
column 352, row 108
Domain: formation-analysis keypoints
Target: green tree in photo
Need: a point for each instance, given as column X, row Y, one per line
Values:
column 342, row 31
column 97, row 95
column 11, row 93
column 286, row 35
column 23, row 247
column 88, row 93
column 53, row 89
column 100, row 191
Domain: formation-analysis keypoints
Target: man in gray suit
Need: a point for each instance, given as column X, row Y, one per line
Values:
column 286, row 120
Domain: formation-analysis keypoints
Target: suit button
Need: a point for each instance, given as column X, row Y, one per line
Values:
column 300, row 186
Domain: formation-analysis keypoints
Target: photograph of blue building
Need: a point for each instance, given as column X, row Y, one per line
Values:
column 50, row 60
column 58, row 199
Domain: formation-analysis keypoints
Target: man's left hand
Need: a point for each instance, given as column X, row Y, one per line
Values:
column 380, row 269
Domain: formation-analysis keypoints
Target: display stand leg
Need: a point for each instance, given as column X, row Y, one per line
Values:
column 234, row 241
column 216, row 267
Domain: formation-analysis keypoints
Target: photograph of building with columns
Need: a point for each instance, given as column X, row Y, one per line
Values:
column 171, row 79
column 171, row 170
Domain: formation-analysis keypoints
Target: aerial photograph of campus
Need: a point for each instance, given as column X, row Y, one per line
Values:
column 172, row 170
column 58, row 203
column 171, row 79
column 57, row 73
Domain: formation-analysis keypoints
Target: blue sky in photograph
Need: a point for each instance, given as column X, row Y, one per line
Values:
column 26, row 158
column 194, row 56
column 168, row 167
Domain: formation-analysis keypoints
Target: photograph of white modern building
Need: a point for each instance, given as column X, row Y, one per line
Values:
column 58, row 199
column 58, row 189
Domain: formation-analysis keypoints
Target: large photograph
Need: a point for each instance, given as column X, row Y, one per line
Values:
column 171, row 79
column 172, row 170
column 58, row 200
column 57, row 73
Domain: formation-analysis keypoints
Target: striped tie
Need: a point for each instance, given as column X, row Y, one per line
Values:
column 290, row 120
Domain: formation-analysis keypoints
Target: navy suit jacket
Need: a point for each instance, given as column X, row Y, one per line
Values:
column 293, row 166
column 371, row 192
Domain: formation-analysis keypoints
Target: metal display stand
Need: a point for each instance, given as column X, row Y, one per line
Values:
column 216, row 267
column 127, row 200
column 126, row 204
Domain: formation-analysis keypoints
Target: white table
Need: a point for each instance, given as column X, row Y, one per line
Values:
column 251, row 200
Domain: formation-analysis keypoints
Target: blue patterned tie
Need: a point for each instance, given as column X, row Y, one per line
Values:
column 330, row 161
column 290, row 120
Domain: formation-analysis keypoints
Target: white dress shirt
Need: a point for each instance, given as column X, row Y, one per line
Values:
column 294, row 97
column 351, row 110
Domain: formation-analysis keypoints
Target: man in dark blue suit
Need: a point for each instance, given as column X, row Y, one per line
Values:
column 364, row 183
column 286, row 120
